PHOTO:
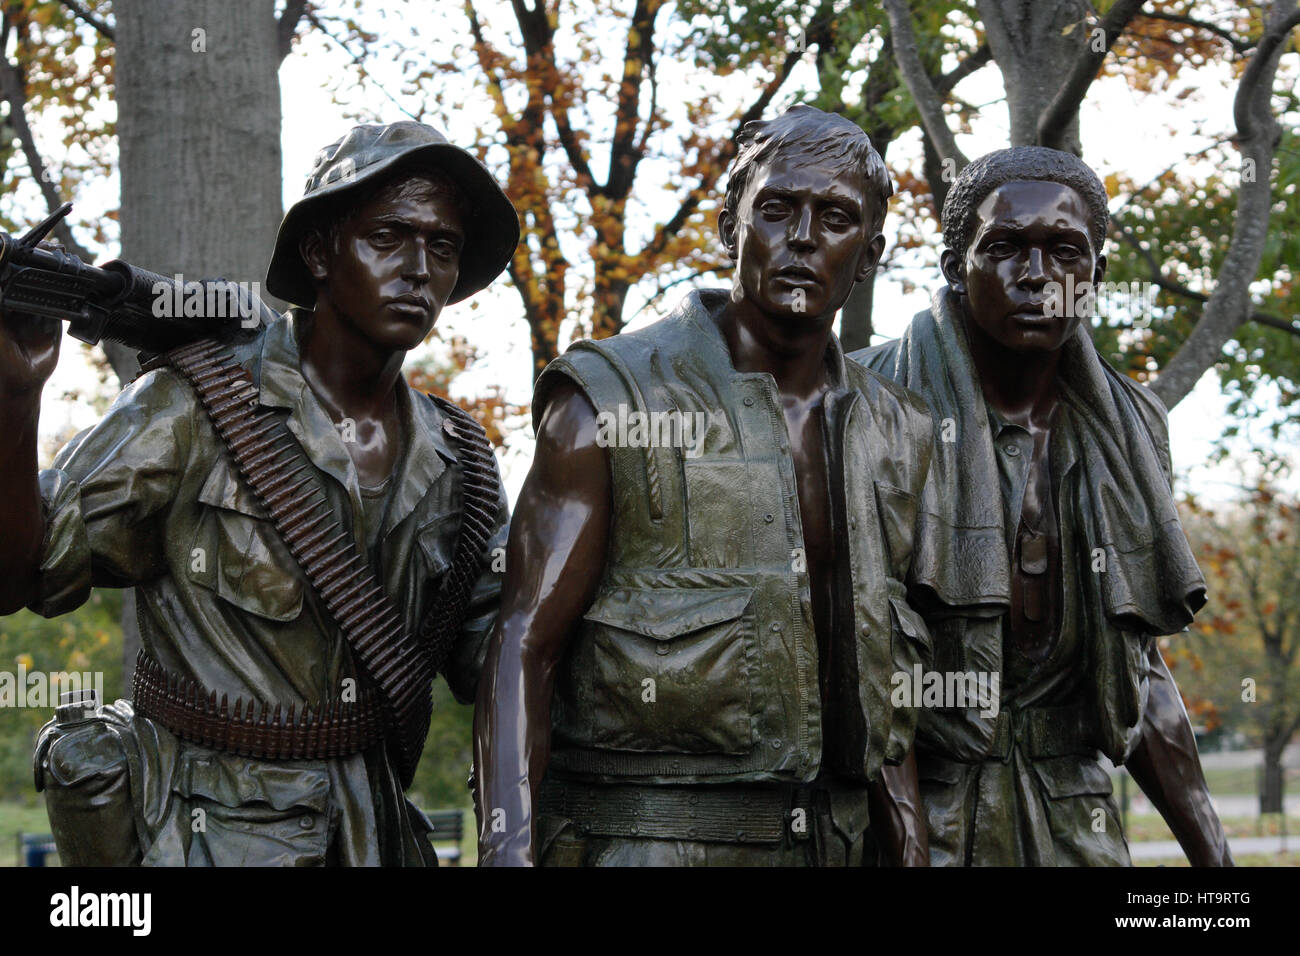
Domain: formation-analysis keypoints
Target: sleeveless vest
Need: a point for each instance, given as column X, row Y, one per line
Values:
column 698, row 660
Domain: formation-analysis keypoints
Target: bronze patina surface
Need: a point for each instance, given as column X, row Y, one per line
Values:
column 1050, row 554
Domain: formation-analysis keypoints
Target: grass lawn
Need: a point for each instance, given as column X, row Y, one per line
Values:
column 1245, row 780
column 1254, row 859
column 18, row 817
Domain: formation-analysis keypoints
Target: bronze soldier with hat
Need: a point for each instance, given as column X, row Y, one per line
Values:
column 297, row 523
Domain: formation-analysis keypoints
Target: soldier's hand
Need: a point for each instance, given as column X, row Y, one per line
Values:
column 29, row 347
column 29, row 350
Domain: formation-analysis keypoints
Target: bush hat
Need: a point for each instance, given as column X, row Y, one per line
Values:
column 369, row 152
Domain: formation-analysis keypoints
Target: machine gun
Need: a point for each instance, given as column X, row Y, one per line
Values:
column 119, row 301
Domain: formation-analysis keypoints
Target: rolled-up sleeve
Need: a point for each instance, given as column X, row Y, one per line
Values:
column 107, row 497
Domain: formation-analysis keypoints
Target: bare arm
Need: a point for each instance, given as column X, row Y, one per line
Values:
column 897, row 816
column 554, row 561
column 1168, row 769
column 29, row 350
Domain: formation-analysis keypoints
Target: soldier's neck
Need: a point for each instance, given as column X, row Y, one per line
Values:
column 792, row 352
column 348, row 373
column 1020, row 385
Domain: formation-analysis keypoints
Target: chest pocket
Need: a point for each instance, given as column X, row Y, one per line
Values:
column 237, row 552
column 897, row 510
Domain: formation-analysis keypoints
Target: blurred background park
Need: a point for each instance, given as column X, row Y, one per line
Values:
column 181, row 129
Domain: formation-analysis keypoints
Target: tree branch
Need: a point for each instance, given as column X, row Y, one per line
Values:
column 623, row 155
column 1158, row 278
column 13, row 89
column 1258, row 134
column 975, row 61
column 725, row 155
column 357, row 61
column 86, row 16
column 1238, row 45
column 1054, row 120
column 1250, row 106
column 928, row 102
column 287, row 25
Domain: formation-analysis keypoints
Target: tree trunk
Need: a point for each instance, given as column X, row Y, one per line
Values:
column 198, row 103
column 1032, row 51
column 1271, row 789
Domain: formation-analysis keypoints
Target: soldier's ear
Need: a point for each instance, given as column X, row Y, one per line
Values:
column 727, row 230
column 870, row 257
column 953, row 267
column 1100, row 269
column 312, row 249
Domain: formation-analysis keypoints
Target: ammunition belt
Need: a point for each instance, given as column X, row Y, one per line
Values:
column 480, row 494
column 251, row 728
column 271, row 463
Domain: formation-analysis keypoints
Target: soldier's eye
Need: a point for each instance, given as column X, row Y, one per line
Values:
column 1066, row 251
column 774, row 208
column 444, row 248
column 382, row 237
column 1000, row 250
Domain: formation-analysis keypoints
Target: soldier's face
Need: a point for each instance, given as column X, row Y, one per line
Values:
column 1030, row 245
column 801, row 238
column 395, row 264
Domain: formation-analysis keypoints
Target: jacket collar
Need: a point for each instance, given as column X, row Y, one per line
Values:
column 276, row 367
column 702, row 308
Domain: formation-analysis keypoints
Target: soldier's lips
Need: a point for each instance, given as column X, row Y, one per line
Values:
column 801, row 280
column 418, row 309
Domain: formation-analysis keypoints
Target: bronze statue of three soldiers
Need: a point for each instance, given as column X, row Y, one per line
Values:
column 732, row 541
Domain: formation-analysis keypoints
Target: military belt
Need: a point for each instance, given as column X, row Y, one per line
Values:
column 728, row 814
column 251, row 728
column 1043, row 732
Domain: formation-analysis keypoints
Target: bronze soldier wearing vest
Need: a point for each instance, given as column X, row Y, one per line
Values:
column 705, row 582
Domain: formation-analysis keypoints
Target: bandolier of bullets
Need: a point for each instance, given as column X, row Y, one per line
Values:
column 270, row 461
column 251, row 729
column 480, row 490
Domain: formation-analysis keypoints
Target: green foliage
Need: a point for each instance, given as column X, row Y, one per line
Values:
column 68, row 72
column 88, row 639
column 1184, row 225
column 441, row 779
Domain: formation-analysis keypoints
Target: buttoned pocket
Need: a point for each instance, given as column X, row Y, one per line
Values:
column 437, row 539
column 1071, row 776
column 239, row 554
column 672, row 670
column 243, row 812
column 897, row 509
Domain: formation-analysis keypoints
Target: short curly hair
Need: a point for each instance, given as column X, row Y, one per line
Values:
column 1020, row 164
column 809, row 133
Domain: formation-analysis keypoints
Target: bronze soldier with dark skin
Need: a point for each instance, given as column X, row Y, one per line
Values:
column 801, row 238
column 1018, row 269
column 1030, row 234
